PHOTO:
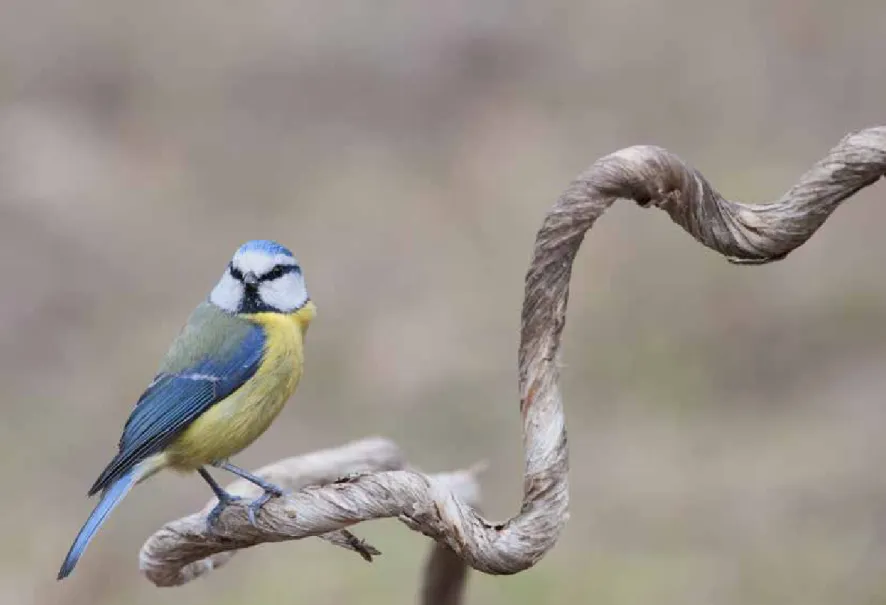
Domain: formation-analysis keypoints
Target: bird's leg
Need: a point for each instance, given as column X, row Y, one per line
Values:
column 224, row 498
column 269, row 489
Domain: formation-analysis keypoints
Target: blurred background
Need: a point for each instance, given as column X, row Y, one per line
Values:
column 725, row 423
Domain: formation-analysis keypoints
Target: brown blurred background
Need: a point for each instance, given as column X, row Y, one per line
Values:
column 725, row 423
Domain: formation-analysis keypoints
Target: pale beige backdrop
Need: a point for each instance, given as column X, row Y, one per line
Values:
column 726, row 423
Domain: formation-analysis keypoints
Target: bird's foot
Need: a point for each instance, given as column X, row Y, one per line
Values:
column 270, row 491
column 223, row 503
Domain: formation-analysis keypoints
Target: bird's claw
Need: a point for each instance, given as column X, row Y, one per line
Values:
column 215, row 513
column 257, row 504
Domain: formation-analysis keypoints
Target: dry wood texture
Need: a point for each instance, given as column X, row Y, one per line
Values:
column 441, row 506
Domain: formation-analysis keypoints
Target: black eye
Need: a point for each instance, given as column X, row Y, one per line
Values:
column 235, row 272
column 274, row 273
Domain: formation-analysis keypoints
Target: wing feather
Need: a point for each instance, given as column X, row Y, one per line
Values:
column 176, row 398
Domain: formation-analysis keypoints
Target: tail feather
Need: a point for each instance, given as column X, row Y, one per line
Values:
column 111, row 497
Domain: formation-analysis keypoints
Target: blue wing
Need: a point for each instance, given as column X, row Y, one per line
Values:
column 175, row 399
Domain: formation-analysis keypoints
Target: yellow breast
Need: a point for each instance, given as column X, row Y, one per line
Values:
column 234, row 423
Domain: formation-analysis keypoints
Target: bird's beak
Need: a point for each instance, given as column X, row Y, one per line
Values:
column 250, row 279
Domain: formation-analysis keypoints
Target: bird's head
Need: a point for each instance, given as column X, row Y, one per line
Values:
column 262, row 277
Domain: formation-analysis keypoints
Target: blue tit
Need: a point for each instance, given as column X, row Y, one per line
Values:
column 224, row 380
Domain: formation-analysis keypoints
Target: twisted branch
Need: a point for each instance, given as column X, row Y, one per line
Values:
column 445, row 574
column 316, row 468
column 650, row 176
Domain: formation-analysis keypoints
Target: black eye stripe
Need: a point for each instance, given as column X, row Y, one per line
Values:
column 277, row 272
column 272, row 274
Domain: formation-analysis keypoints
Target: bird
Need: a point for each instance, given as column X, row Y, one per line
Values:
column 225, row 378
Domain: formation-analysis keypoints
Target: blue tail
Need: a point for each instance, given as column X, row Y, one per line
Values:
column 110, row 499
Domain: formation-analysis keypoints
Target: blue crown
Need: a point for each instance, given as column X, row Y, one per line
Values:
column 267, row 246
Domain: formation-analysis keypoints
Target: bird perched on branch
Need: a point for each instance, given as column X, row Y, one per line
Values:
column 224, row 379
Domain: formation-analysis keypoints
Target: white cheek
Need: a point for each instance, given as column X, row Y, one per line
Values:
column 286, row 293
column 227, row 294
